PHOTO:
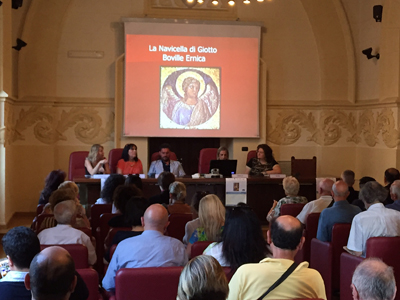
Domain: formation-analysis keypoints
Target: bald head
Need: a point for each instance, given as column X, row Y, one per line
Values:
column 340, row 190
column 373, row 279
column 155, row 218
column 286, row 232
column 52, row 274
column 325, row 187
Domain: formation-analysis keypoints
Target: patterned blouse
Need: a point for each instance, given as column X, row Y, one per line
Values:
column 286, row 200
column 257, row 168
column 199, row 235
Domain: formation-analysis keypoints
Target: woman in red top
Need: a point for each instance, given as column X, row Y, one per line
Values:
column 129, row 162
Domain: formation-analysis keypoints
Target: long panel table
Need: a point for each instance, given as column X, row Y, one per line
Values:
column 261, row 192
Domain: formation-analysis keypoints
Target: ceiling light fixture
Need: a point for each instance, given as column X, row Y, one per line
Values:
column 215, row 2
column 231, row 2
column 246, row 1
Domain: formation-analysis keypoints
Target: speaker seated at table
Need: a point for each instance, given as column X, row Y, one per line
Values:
column 157, row 156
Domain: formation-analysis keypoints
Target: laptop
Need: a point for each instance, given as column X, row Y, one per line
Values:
column 226, row 167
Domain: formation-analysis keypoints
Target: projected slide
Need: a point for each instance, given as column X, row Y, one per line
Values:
column 190, row 86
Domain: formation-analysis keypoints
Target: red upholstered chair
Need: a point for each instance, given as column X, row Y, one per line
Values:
column 156, row 156
column 101, row 233
column 199, row 247
column 78, row 252
column 39, row 209
column 112, row 250
column 304, row 168
column 113, row 157
column 91, row 279
column 206, row 155
column 291, row 209
column 96, row 211
column 147, row 283
column 385, row 248
column 310, row 232
column 112, row 232
column 77, row 164
column 86, row 230
column 176, row 227
column 325, row 257
column 251, row 154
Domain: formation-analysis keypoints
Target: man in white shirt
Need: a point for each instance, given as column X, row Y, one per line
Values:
column 316, row 206
column 63, row 233
column 375, row 221
column 165, row 164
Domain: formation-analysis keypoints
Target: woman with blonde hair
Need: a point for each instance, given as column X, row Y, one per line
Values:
column 203, row 278
column 291, row 187
column 212, row 219
column 96, row 163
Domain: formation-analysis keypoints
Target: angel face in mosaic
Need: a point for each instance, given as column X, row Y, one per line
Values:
column 191, row 109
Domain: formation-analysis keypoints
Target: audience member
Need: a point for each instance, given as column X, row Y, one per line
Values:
column 264, row 163
column 63, row 233
column 164, row 180
column 81, row 219
column 341, row 211
column 121, row 196
column 291, row 187
column 348, row 177
column 373, row 279
column 325, row 200
column 359, row 202
column 165, row 164
column 395, row 195
column 52, row 181
column 212, row 219
column 110, row 185
column 134, row 180
column 51, row 275
column 242, row 240
column 203, row 278
column 391, row 175
column 134, row 211
column 191, row 226
column 222, row 153
column 150, row 249
column 177, row 195
column 376, row 221
column 21, row 244
column 251, row 281
column 129, row 162
column 96, row 163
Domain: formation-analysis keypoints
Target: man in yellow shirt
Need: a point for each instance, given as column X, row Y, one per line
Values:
column 251, row 281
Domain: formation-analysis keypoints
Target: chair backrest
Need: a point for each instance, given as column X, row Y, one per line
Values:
column 77, row 164
column 112, row 232
column 206, row 155
column 96, row 211
column 176, row 227
column 47, row 219
column 101, row 233
column 251, row 154
column 340, row 235
column 304, row 168
column 112, row 250
column 78, row 252
column 198, row 248
column 156, row 156
column 86, row 230
column 113, row 157
column 310, row 232
column 91, row 279
column 291, row 209
column 39, row 209
column 147, row 283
